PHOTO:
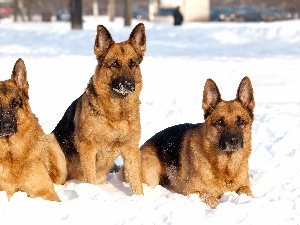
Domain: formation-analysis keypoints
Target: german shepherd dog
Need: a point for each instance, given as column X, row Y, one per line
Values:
column 30, row 161
column 104, row 122
column 208, row 158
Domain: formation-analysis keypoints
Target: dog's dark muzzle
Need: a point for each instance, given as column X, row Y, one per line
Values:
column 123, row 85
column 8, row 124
column 230, row 142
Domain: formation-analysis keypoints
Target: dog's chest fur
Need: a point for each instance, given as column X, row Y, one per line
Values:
column 116, row 131
column 112, row 125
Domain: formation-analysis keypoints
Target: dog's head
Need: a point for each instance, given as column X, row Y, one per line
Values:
column 229, row 122
column 13, row 94
column 119, row 63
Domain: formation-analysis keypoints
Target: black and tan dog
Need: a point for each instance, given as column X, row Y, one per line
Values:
column 208, row 158
column 30, row 161
column 104, row 122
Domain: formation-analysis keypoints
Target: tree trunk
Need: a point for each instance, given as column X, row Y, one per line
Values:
column 46, row 8
column 30, row 5
column 128, row 12
column 95, row 8
column 18, row 10
column 111, row 10
column 76, row 14
column 46, row 15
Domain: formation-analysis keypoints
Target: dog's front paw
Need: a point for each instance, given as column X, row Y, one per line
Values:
column 244, row 190
column 210, row 200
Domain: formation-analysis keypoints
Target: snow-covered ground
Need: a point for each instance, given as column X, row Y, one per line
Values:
column 177, row 63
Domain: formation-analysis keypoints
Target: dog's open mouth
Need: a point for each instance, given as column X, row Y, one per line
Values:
column 123, row 86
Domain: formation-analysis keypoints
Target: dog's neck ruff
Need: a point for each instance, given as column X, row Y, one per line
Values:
column 94, row 111
column 92, row 94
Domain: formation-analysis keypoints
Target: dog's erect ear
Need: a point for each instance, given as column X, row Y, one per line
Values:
column 103, row 40
column 138, row 38
column 211, row 97
column 245, row 94
column 19, row 74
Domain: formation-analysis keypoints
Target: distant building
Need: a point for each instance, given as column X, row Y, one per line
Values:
column 192, row 10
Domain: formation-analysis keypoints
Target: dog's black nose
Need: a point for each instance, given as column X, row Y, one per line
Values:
column 231, row 142
column 123, row 85
column 8, row 125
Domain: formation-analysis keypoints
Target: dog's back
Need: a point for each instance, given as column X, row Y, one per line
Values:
column 161, row 154
column 64, row 130
column 168, row 143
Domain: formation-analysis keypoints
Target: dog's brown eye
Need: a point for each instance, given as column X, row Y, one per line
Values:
column 115, row 64
column 132, row 64
column 220, row 122
column 240, row 121
column 15, row 103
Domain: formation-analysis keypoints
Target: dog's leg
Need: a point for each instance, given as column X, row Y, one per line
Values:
column 6, row 186
column 244, row 190
column 151, row 166
column 87, row 155
column 104, row 164
column 205, row 192
column 58, row 167
column 208, row 199
column 132, row 168
column 36, row 182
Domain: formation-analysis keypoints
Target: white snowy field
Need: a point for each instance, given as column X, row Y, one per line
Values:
column 177, row 63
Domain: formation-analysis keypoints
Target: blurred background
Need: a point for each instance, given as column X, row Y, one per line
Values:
column 151, row 10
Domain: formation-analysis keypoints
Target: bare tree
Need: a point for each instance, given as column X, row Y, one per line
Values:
column 95, row 8
column 111, row 9
column 18, row 10
column 46, row 10
column 76, row 14
column 30, row 6
column 128, row 12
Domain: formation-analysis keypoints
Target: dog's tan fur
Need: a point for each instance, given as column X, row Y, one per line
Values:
column 103, row 122
column 30, row 161
column 205, row 166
